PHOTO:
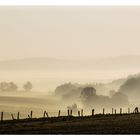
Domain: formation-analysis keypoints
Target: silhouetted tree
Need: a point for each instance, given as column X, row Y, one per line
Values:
column 88, row 93
column 27, row 86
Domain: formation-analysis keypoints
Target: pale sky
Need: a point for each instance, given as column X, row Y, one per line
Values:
column 84, row 32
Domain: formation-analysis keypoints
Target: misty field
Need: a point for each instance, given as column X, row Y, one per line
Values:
column 98, row 124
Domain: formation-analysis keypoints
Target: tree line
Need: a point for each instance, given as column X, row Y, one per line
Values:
column 11, row 86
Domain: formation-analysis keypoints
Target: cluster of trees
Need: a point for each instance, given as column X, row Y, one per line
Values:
column 126, row 90
column 11, row 86
column 88, row 96
column 89, row 99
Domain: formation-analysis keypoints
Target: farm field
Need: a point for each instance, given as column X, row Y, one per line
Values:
column 97, row 124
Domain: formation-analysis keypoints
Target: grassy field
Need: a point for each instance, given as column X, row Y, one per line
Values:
column 98, row 124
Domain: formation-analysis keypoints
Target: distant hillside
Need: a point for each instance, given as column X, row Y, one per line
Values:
column 131, row 87
column 117, row 63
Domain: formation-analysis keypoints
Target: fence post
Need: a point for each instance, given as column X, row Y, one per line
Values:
column 31, row 115
column 128, row 110
column 47, row 114
column 103, row 111
column 115, row 111
column 112, row 110
column 82, row 112
column 44, row 115
column 120, row 110
column 59, row 113
column 1, row 116
column 68, row 112
column 12, row 116
column 92, row 112
column 18, row 116
column 79, row 113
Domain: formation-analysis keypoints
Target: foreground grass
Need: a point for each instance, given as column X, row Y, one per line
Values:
column 98, row 124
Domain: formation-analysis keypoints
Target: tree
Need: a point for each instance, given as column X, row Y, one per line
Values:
column 27, row 86
column 88, row 94
column 11, row 86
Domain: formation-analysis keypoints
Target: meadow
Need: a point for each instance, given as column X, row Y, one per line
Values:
column 97, row 124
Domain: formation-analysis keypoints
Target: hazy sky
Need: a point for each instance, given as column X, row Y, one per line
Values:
column 69, row 32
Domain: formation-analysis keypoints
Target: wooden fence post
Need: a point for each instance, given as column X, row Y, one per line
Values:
column 79, row 113
column 1, row 116
column 31, row 115
column 82, row 112
column 68, row 112
column 59, row 113
column 120, row 110
column 92, row 112
column 12, row 116
column 103, row 111
column 18, row 116
column 115, row 111
column 47, row 114
column 44, row 114
column 112, row 111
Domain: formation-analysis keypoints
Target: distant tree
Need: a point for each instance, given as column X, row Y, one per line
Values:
column 64, row 89
column 88, row 92
column 27, row 86
column 11, row 86
column 3, row 86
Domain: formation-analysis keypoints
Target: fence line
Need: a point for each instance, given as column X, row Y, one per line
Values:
column 70, row 113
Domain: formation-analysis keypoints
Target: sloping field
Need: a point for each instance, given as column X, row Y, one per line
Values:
column 98, row 124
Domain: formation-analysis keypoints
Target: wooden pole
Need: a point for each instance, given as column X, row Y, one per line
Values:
column 79, row 113
column 31, row 115
column 120, row 110
column 103, row 111
column 112, row 110
column 115, row 111
column 44, row 114
column 18, row 116
column 47, row 114
column 92, row 112
column 82, row 112
column 68, row 112
column 59, row 113
column 12, row 116
column 1, row 116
